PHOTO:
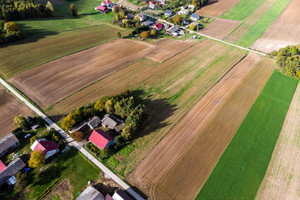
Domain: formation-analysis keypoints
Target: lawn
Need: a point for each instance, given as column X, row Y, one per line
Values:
column 72, row 166
column 241, row 10
column 258, row 29
column 242, row 166
column 28, row 53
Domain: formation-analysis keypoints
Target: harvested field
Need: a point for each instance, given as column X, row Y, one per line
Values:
column 57, row 79
column 220, row 28
column 10, row 107
column 216, row 8
column 242, row 167
column 172, row 89
column 282, row 180
column 250, row 21
column 168, row 48
column 34, row 51
column 180, row 164
column 283, row 32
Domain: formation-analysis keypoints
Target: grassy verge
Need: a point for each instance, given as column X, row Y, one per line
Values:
column 241, row 10
column 257, row 30
column 242, row 166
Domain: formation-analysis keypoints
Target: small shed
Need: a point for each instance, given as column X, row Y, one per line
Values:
column 168, row 13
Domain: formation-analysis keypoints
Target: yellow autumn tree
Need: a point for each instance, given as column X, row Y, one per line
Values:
column 145, row 34
column 176, row 19
column 37, row 158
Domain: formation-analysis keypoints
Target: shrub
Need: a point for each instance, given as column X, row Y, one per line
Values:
column 73, row 9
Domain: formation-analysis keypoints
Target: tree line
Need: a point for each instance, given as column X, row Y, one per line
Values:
column 22, row 9
column 288, row 60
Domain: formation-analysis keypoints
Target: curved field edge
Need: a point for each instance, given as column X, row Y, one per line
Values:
column 282, row 180
column 241, row 10
column 242, row 167
column 258, row 29
column 29, row 53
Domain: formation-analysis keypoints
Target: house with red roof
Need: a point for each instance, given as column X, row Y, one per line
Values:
column 47, row 147
column 106, row 3
column 158, row 26
column 102, row 9
column 2, row 166
column 101, row 139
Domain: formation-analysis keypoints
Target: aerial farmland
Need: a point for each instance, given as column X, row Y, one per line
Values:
column 187, row 99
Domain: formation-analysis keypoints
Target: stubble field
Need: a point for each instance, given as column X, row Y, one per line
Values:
column 180, row 164
column 216, row 8
column 53, row 81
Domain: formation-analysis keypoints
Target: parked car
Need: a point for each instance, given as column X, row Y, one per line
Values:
column 27, row 136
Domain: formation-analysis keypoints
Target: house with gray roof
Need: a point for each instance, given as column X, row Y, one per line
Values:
column 94, row 122
column 13, row 167
column 195, row 17
column 112, row 122
column 8, row 143
column 90, row 193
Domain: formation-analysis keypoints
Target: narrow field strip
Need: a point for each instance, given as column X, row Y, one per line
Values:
column 242, row 166
column 241, row 10
column 258, row 29
column 282, row 180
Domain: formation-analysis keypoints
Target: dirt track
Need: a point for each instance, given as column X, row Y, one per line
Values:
column 216, row 8
column 283, row 32
column 57, row 79
column 282, row 180
column 168, row 48
column 10, row 107
column 179, row 165
column 220, row 28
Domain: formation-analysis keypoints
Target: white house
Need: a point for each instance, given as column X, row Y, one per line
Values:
column 47, row 147
column 195, row 17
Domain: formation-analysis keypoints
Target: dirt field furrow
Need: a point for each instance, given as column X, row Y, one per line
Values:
column 168, row 48
column 250, row 21
column 283, row 32
column 180, row 164
column 57, row 79
column 216, row 8
column 282, row 180
column 10, row 107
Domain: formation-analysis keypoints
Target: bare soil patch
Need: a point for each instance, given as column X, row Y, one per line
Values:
column 168, row 48
column 282, row 180
column 250, row 21
column 57, row 79
column 63, row 190
column 179, row 165
column 283, row 32
column 10, row 107
column 216, row 8
column 220, row 28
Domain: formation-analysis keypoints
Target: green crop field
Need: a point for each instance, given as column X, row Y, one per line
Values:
column 241, row 10
column 242, row 166
column 25, row 54
column 258, row 29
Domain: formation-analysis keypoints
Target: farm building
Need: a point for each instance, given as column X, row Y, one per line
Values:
column 107, row 3
column 8, row 143
column 158, row 26
column 183, row 11
column 151, row 5
column 121, row 195
column 147, row 23
column 102, row 9
column 162, row 2
column 90, row 193
column 195, row 17
column 168, row 13
column 101, row 139
column 113, row 123
column 94, row 122
column 7, row 172
column 173, row 30
column 47, row 147
column 78, row 127
column 191, row 8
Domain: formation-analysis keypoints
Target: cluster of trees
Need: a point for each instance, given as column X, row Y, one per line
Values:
column 21, row 9
column 119, row 18
column 9, row 32
column 288, row 59
column 199, row 3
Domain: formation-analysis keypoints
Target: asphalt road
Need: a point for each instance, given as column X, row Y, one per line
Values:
column 72, row 142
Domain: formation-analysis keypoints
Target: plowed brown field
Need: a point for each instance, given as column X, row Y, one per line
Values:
column 179, row 165
column 216, row 8
column 220, row 28
column 57, row 79
column 168, row 48
column 283, row 32
column 282, row 180
column 10, row 107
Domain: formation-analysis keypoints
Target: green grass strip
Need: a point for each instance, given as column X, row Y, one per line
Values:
column 258, row 29
column 242, row 166
column 241, row 10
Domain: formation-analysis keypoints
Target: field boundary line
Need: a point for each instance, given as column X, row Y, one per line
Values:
column 71, row 142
